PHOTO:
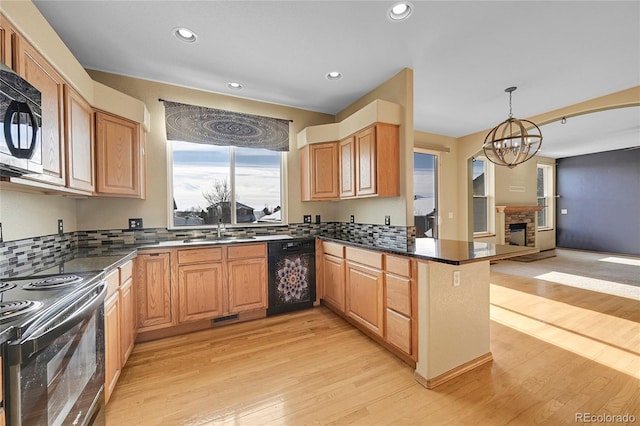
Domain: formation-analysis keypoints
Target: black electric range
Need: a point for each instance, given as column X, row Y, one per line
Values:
column 28, row 301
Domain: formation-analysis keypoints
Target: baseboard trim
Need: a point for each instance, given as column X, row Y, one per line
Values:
column 459, row 370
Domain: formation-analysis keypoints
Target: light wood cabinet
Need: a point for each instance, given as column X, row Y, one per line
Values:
column 201, row 291
column 364, row 291
column 153, row 291
column 247, row 275
column 128, row 326
column 79, row 150
column 377, row 161
column 119, row 324
column 401, row 327
column 37, row 71
column 247, row 284
column 319, row 171
column 179, row 290
column 120, row 157
column 347, row 168
column 333, row 270
column 376, row 292
column 112, row 363
column 8, row 36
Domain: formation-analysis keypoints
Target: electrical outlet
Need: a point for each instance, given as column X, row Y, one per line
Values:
column 307, row 218
column 352, row 219
column 135, row 223
column 387, row 220
column 318, row 219
column 456, row 278
column 60, row 227
column 0, row 232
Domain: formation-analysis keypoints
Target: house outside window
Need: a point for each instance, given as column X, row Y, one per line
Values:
column 205, row 177
column 483, row 199
column 545, row 196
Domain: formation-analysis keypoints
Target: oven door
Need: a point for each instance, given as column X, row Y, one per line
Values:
column 56, row 371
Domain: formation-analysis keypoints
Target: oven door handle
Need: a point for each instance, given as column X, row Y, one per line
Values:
column 20, row 351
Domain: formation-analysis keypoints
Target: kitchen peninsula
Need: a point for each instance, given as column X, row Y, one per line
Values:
column 427, row 303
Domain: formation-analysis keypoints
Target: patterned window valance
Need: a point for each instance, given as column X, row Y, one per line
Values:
column 192, row 123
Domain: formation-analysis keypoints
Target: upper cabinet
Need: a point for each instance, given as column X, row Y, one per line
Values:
column 120, row 164
column 377, row 162
column 7, row 40
column 37, row 71
column 366, row 160
column 366, row 164
column 319, row 171
column 81, row 154
column 79, row 141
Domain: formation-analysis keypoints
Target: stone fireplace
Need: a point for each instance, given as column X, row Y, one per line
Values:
column 518, row 217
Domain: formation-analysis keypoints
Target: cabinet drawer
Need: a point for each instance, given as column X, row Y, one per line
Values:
column 399, row 294
column 245, row 251
column 334, row 249
column 399, row 331
column 113, row 282
column 365, row 257
column 199, row 255
column 398, row 265
column 126, row 271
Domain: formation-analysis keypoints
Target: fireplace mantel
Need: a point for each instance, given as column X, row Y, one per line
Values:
column 518, row 209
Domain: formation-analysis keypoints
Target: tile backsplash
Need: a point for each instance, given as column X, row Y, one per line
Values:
column 22, row 257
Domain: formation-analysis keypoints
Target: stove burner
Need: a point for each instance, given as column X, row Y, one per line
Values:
column 53, row 282
column 12, row 309
column 6, row 286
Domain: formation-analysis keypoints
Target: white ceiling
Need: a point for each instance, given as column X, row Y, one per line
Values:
column 464, row 54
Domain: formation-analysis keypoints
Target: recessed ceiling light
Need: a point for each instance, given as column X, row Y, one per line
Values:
column 185, row 34
column 400, row 11
column 334, row 75
column 234, row 86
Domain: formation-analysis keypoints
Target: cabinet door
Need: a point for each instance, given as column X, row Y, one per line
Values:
column 37, row 71
column 364, row 291
column 200, row 291
column 79, row 141
column 247, row 284
column 7, row 43
column 319, row 171
column 399, row 331
column 333, row 275
column 112, row 361
column 347, row 168
column 127, row 320
column 117, row 156
column 153, row 291
column 366, row 162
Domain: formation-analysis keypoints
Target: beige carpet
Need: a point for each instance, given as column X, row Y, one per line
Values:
column 603, row 272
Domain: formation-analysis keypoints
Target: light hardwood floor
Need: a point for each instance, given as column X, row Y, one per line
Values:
column 558, row 351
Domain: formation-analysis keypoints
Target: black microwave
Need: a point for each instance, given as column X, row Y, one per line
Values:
column 21, row 126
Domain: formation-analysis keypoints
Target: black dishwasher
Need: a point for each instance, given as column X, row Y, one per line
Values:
column 292, row 275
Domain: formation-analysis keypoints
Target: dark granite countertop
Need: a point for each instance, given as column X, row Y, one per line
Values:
column 448, row 251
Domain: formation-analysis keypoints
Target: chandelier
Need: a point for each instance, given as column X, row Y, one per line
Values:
column 510, row 143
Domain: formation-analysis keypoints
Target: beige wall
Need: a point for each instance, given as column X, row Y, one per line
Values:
column 453, row 322
column 113, row 213
column 446, row 148
column 397, row 89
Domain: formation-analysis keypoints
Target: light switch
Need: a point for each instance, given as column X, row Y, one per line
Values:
column 563, row 211
column 456, row 278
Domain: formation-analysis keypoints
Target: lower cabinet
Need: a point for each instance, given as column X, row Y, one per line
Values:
column 375, row 291
column 365, row 289
column 200, row 291
column 119, row 324
column 179, row 287
column 153, row 282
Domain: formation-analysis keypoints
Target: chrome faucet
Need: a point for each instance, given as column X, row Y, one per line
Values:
column 219, row 212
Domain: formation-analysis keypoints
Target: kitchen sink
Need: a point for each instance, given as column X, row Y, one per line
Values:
column 216, row 239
